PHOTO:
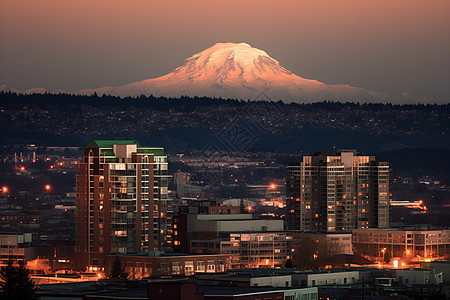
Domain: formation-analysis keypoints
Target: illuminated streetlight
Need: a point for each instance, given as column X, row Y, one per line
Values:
column 5, row 190
column 48, row 187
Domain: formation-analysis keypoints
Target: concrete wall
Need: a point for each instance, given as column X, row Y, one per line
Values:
column 310, row 293
column 439, row 266
column 415, row 276
column 233, row 225
column 275, row 281
column 317, row 279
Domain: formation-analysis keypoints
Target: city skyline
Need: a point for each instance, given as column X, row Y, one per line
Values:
column 169, row 149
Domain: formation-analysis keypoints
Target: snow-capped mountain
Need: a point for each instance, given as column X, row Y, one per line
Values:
column 239, row 71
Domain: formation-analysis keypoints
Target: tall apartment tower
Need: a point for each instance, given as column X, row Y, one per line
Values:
column 337, row 190
column 122, row 201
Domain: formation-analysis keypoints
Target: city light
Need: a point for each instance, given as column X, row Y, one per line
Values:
column 273, row 186
column 47, row 187
column 5, row 190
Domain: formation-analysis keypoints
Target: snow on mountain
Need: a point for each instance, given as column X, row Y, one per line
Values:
column 231, row 70
column 237, row 70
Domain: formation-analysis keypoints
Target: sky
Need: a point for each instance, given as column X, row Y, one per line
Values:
column 383, row 45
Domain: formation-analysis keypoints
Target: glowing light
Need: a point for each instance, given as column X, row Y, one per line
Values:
column 5, row 189
column 22, row 168
column 267, row 261
column 51, row 167
column 395, row 263
column 273, row 186
column 249, row 208
column 48, row 187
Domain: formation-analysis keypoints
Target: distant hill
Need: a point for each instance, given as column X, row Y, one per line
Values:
column 184, row 124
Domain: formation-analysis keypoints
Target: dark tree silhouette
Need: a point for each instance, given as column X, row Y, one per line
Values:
column 289, row 263
column 16, row 283
column 117, row 270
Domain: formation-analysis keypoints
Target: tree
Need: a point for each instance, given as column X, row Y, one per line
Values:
column 117, row 271
column 16, row 283
column 289, row 263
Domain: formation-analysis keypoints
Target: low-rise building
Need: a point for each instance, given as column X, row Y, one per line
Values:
column 188, row 224
column 418, row 276
column 189, row 290
column 141, row 265
column 260, row 277
column 404, row 243
column 250, row 250
column 440, row 266
column 17, row 247
column 324, row 277
column 333, row 243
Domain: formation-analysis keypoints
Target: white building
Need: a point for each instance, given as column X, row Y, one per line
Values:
column 318, row 278
column 418, row 276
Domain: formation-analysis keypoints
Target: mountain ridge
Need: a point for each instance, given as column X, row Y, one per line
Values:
column 239, row 71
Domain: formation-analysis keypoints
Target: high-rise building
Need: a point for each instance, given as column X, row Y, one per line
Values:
column 337, row 190
column 122, row 201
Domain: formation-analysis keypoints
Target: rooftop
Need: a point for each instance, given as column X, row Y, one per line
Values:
column 108, row 145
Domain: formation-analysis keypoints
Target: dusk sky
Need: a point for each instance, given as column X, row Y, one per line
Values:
column 383, row 45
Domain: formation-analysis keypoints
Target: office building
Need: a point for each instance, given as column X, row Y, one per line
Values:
column 122, row 201
column 337, row 190
column 250, row 250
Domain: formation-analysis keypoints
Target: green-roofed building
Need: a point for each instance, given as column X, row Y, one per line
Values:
column 122, row 201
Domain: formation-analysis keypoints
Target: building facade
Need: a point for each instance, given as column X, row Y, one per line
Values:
column 332, row 243
column 412, row 244
column 139, row 266
column 122, row 201
column 250, row 250
column 17, row 247
column 337, row 190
